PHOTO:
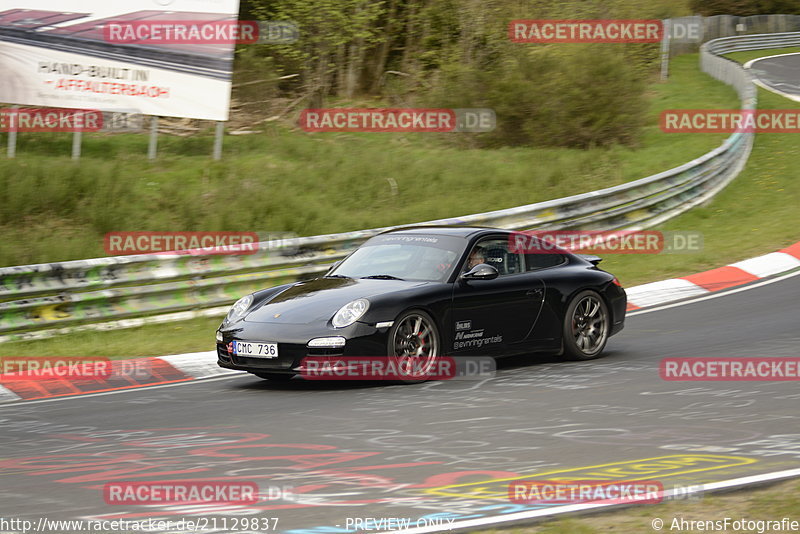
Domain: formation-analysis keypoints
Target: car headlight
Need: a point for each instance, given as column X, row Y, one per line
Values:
column 350, row 313
column 239, row 309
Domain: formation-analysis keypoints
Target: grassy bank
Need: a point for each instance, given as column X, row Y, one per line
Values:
column 744, row 57
column 757, row 213
column 285, row 180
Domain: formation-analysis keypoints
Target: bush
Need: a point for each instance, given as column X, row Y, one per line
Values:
column 569, row 96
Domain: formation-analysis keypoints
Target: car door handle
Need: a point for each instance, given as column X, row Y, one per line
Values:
column 534, row 292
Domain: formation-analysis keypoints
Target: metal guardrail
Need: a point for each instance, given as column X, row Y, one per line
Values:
column 743, row 43
column 34, row 298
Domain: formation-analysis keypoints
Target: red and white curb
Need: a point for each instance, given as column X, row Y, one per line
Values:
column 176, row 368
column 699, row 284
column 124, row 374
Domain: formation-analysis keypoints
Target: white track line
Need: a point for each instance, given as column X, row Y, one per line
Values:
column 715, row 295
column 574, row 508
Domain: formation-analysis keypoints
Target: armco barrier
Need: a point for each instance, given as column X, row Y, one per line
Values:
column 743, row 43
column 38, row 300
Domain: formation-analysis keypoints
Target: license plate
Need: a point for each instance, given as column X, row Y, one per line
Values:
column 255, row 350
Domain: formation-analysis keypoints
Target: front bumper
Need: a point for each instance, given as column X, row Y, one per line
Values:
column 360, row 340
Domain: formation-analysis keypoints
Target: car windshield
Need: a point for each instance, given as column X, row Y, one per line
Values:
column 404, row 257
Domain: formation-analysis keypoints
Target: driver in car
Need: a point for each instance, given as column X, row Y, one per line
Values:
column 476, row 257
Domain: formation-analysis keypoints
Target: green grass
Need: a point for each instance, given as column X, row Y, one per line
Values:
column 756, row 214
column 286, row 180
column 156, row 340
column 744, row 57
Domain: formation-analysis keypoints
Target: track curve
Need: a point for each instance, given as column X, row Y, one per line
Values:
column 779, row 74
column 328, row 452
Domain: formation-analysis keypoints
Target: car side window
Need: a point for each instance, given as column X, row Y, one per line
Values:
column 494, row 252
column 534, row 262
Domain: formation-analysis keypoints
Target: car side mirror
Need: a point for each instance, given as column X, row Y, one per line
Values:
column 482, row 271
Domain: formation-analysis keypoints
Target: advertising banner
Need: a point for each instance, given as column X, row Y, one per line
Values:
column 170, row 58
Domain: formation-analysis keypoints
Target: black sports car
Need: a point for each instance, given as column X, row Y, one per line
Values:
column 428, row 292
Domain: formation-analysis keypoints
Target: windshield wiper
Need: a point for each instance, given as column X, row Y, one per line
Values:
column 335, row 276
column 382, row 277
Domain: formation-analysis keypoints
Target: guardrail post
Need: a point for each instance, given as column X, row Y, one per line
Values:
column 11, row 151
column 665, row 49
column 76, row 145
column 218, row 140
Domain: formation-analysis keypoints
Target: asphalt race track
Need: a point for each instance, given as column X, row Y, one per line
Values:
column 325, row 452
column 779, row 73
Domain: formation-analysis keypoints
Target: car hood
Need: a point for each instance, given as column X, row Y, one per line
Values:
column 315, row 301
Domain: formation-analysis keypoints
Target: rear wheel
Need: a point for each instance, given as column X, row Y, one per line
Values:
column 414, row 346
column 586, row 326
column 277, row 377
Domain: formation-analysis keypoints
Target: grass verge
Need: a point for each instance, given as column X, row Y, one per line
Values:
column 744, row 57
column 285, row 180
column 756, row 214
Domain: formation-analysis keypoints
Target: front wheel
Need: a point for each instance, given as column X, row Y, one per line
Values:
column 414, row 346
column 586, row 326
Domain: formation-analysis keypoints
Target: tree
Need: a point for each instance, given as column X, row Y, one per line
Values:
column 335, row 36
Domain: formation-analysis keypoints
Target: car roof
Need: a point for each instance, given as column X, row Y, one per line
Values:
column 469, row 232
column 456, row 231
